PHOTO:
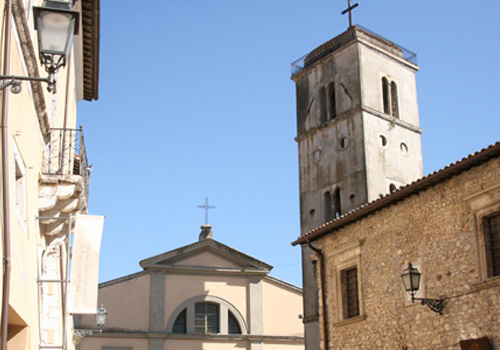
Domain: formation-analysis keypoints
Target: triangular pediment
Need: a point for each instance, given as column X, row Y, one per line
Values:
column 207, row 255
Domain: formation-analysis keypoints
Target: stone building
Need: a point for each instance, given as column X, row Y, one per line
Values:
column 358, row 134
column 44, row 177
column 447, row 225
column 205, row 295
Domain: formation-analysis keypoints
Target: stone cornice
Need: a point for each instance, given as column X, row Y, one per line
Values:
column 358, row 109
column 118, row 333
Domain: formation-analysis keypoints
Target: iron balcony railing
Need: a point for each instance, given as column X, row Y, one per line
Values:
column 342, row 39
column 65, row 154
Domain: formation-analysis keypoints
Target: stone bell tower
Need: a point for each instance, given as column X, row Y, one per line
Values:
column 358, row 134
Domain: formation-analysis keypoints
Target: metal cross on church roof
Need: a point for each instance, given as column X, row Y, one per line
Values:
column 207, row 208
column 349, row 9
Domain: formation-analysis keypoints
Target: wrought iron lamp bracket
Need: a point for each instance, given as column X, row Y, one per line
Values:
column 15, row 82
column 78, row 334
column 436, row 305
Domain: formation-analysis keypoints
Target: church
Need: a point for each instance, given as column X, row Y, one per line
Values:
column 369, row 219
column 204, row 295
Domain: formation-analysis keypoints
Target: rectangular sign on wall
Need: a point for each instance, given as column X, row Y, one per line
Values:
column 85, row 264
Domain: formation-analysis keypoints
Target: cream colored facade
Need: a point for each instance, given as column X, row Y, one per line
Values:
column 44, row 160
column 144, row 308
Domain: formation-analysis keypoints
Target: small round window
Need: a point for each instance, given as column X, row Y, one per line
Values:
column 383, row 141
column 404, row 148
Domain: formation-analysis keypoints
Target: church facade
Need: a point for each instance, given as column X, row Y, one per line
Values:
column 447, row 225
column 205, row 295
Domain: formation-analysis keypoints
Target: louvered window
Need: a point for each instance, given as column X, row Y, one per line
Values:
column 491, row 226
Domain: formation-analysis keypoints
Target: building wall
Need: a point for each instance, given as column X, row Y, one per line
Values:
column 269, row 311
column 438, row 230
column 281, row 304
column 33, row 317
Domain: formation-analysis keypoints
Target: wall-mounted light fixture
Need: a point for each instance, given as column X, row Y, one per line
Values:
column 100, row 319
column 56, row 24
column 411, row 281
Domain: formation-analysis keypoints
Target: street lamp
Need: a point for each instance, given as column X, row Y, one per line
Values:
column 56, row 24
column 100, row 319
column 411, row 282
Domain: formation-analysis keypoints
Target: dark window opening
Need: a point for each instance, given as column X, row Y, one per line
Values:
column 180, row 323
column 337, row 210
column 328, row 206
column 233, row 326
column 322, row 106
column 392, row 188
column 385, row 96
column 491, row 226
column 206, row 318
column 394, row 100
column 333, row 101
column 350, row 298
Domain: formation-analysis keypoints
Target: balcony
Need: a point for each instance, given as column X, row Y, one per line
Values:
column 64, row 183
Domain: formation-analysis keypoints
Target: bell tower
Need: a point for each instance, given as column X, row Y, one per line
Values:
column 358, row 134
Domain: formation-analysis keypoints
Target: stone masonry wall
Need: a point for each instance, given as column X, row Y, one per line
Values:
column 435, row 229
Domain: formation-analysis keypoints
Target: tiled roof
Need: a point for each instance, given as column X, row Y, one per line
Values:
column 432, row 179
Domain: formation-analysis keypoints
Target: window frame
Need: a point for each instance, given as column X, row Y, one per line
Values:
column 225, row 309
column 487, row 248
column 346, row 258
column 484, row 204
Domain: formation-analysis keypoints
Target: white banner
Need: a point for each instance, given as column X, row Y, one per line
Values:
column 85, row 264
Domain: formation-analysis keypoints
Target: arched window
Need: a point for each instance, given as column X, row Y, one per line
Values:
column 180, row 323
column 233, row 327
column 327, row 201
column 206, row 318
column 337, row 210
column 333, row 101
column 322, row 106
column 394, row 100
column 392, row 188
column 385, row 96
column 206, row 315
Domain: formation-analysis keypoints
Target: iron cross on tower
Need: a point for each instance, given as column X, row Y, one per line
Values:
column 207, row 208
column 349, row 9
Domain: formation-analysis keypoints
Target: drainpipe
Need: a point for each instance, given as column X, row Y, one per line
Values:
column 5, row 183
column 324, row 316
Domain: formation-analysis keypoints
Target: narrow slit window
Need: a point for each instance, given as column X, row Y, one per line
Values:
column 385, row 96
column 394, row 100
column 337, row 209
column 327, row 199
column 322, row 105
column 333, row 101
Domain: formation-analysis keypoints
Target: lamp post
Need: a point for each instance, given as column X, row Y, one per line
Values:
column 411, row 282
column 56, row 24
column 100, row 319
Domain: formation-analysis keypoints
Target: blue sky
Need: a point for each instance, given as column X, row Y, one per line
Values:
column 196, row 101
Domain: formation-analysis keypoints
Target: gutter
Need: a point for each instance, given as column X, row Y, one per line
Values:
column 324, row 317
column 5, row 184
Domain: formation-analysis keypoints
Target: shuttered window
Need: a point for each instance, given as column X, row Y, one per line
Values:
column 491, row 226
column 350, row 297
